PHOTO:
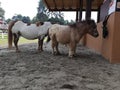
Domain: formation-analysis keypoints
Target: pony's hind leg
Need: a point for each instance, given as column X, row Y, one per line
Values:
column 16, row 38
column 40, row 44
column 54, row 45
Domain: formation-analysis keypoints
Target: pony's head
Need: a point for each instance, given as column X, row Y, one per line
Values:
column 91, row 28
column 86, row 26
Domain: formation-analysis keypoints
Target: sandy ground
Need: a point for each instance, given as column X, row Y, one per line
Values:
column 30, row 70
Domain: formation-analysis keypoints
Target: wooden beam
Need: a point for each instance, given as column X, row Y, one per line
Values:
column 88, row 9
column 98, row 15
column 55, row 3
column 76, row 16
column 71, row 4
column 70, row 9
column 63, row 4
column 46, row 4
column 81, row 9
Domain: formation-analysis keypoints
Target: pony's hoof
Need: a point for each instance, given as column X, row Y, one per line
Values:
column 18, row 51
column 70, row 56
column 39, row 51
column 56, row 53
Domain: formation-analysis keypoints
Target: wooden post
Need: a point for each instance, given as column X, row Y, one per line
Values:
column 88, row 16
column 76, row 16
column 2, row 35
column 88, row 9
column 81, row 7
column 98, row 15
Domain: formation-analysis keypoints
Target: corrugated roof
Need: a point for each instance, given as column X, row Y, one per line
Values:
column 70, row 5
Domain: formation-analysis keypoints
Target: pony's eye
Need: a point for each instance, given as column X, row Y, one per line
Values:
column 94, row 26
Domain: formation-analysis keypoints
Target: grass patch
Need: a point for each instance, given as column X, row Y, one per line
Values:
column 4, row 41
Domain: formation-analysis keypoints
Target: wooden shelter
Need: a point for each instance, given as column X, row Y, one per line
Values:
column 109, row 47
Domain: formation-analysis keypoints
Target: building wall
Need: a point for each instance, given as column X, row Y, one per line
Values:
column 110, row 46
column 95, row 43
column 116, row 39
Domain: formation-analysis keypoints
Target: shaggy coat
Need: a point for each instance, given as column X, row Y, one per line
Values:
column 71, row 34
column 31, row 31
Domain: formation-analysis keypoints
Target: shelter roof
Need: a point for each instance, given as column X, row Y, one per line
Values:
column 70, row 5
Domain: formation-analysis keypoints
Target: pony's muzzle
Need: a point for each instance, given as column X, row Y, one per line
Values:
column 96, row 34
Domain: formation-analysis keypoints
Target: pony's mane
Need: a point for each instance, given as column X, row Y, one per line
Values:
column 74, row 25
column 88, row 21
column 83, row 21
column 39, row 23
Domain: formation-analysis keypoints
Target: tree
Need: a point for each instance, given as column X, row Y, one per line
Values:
column 42, row 17
column 44, row 14
column 57, row 20
column 8, row 20
column 2, row 12
column 25, row 19
column 17, row 17
column 34, row 19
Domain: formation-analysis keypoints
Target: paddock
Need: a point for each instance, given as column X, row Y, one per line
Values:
column 89, row 70
column 30, row 70
column 108, row 13
column 2, row 34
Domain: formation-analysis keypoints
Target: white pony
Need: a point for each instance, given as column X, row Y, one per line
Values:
column 32, row 31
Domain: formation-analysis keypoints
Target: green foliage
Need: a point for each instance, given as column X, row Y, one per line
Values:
column 57, row 20
column 35, row 19
column 42, row 17
column 8, row 20
column 25, row 19
column 2, row 12
column 44, row 14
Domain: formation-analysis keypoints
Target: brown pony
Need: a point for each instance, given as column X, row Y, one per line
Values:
column 71, row 34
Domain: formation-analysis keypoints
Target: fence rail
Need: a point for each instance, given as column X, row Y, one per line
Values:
column 3, row 34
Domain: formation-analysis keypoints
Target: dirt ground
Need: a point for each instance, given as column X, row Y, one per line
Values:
column 30, row 70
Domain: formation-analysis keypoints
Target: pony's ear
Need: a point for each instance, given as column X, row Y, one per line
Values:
column 41, row 23
column 90, row 21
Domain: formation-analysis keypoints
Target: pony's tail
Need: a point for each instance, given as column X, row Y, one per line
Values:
column 10, row 35
column 48, row 37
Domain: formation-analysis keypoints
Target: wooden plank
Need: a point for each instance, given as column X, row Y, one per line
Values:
column 70, row 5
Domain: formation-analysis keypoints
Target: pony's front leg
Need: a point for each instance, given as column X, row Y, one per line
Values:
column 16, row 38
column 40, row 44
column 72, row 49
